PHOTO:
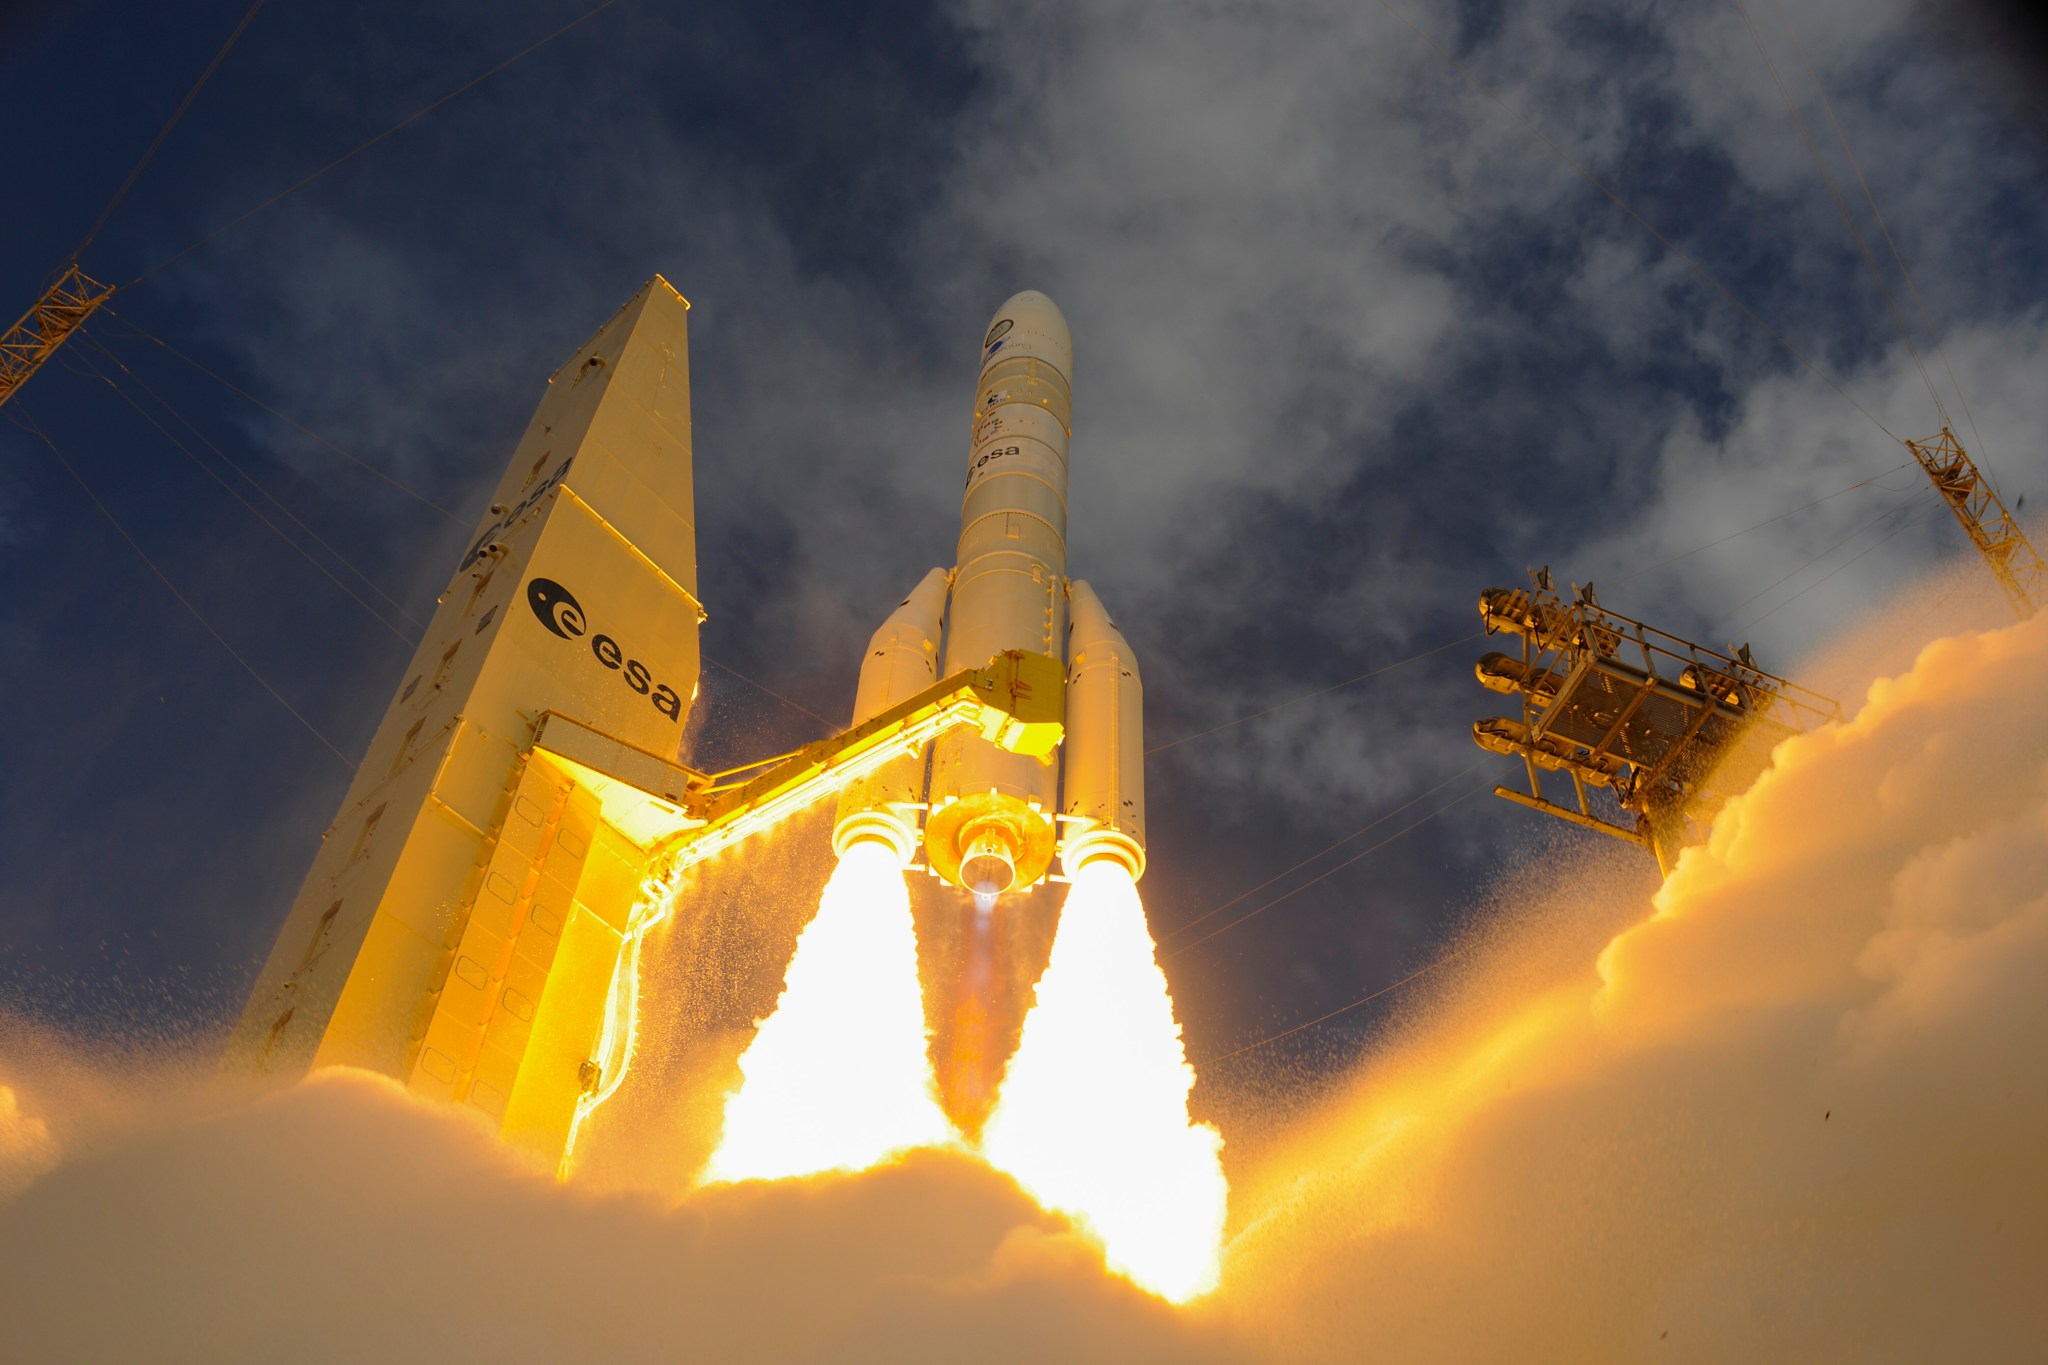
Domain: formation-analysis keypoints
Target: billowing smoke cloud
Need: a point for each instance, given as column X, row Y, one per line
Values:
column 1795, row 1112
column 344, row 1221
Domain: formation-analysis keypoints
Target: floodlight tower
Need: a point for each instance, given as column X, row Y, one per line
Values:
column 1629, row 710
column 1990, row 527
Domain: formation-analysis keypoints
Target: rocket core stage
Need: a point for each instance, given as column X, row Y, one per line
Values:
column 995, row 816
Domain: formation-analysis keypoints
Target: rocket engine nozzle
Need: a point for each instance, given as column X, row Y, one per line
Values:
column 988, row 865
column 895, row 831
column 988, row 838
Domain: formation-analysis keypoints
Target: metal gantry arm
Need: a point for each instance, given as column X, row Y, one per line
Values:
column 1998, row 538
column 1015, row 703
column 682, row 817
column 62, row 310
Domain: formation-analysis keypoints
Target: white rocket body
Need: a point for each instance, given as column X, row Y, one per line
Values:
column 990, row 823
column 1104, row 806
column 902, row 661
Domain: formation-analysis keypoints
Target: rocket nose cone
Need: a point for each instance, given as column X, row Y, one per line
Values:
column 1029, row 324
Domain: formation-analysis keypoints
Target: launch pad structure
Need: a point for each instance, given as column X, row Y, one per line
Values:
column 1668, row 728
column 1663, row 724
column 472, row 923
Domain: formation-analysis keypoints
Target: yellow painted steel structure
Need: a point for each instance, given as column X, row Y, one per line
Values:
column 1622, row 708
column 472, row 922
column 1982, row 513
column 459, row 926
column 63, row 308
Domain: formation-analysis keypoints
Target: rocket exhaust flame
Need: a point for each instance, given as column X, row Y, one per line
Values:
column 839, row 1077
column 972, row 1066
column 1092, row 1118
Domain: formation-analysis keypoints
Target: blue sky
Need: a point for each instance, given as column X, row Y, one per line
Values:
column 1352, row 344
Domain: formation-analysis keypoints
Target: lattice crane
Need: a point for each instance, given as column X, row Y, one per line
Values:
column 1991, row 528
column 62, row 310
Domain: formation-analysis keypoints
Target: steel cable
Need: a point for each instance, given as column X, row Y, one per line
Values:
column 268, row 496
column 1327, row 873
column 27, row 424
column 348, row 156
column 1366, row 828
column 1912, row 290
column 163, row 133
column 1882, row 516
column 1842, row 207
column 1876, row 480
column 1310, row 696
column 1413, row 976
column 275, row 529
column 1893, row 534
column 1684, row 257
column 413, row 493
column 303, row 430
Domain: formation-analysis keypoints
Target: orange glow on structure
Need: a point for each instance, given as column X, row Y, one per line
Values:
column 839, row 1077
column 1092, row 1118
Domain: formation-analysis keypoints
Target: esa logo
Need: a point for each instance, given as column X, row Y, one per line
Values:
column 562, row 614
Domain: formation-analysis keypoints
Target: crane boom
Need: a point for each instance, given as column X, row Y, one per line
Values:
column 1990, row 527
column 62, row 310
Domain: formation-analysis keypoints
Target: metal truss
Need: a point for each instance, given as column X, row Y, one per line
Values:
column 1666, row 729
column 1990, row 527
column 62, row 310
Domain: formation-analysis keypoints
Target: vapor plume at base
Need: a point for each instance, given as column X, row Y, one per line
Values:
column 1092, row 1116
column 25, row 1145
column 839, row 1076
column 1793, row 1112
column 343, row 1220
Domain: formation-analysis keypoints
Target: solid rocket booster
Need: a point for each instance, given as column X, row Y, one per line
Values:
column 995, row 819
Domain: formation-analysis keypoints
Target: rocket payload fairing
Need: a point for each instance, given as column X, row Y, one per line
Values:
column 994, row 819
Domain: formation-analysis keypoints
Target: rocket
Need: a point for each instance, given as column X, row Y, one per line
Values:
column 994, row 821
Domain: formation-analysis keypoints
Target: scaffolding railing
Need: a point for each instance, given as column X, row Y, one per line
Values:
column 1657, row 723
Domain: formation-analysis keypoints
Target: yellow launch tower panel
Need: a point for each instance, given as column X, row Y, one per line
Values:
column 472, row 922
column 462, row 923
